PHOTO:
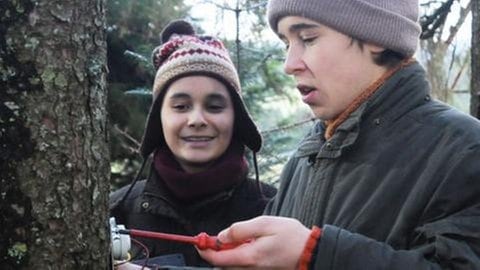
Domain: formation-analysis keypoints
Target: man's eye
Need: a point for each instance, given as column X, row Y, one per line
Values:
column 308, row 40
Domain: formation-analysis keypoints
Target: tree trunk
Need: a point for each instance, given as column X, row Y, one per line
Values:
column 54, row 165
column 475, row 83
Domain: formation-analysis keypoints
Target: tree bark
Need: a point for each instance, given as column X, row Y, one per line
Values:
column 475, row 80
column 54, row 166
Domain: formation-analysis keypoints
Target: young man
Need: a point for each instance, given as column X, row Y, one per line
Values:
column 388, row 178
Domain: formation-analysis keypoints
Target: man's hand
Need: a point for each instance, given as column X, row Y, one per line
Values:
column 276, row 243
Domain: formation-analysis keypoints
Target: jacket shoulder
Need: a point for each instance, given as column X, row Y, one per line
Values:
column 444, row 119
column 116, row 197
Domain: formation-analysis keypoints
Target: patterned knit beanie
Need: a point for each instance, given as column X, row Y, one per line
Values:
column 391, row 24
column 183, row 53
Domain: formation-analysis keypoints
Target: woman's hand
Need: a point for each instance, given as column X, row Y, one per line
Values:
column 277, row 243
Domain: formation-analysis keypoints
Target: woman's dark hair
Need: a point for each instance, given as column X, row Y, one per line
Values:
column 387, row 58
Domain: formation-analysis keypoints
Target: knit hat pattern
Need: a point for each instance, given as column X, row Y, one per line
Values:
column 183, row 53
column 186, row 54
column 390, row 24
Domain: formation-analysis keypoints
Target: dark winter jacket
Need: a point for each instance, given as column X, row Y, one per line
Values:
column 150, row 206
column 396, row 187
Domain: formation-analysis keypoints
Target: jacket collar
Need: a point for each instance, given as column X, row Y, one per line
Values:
column 405, row 90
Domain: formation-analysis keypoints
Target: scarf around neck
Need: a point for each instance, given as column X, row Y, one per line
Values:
column 229, row 170
column 365, row 95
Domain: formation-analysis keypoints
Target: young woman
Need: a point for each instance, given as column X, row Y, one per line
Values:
column 197, row 130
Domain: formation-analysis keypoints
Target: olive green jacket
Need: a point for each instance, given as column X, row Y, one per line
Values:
column 396, row 187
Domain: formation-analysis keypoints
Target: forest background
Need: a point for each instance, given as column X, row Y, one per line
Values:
column 75, row 79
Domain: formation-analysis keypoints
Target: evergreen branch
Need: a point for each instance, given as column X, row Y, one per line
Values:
column 128, row 136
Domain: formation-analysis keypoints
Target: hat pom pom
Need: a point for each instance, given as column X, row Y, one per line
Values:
column 179, row 27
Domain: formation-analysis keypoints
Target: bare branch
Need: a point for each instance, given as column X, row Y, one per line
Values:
column 126, row 135
column 256, row 6
column 459, row 74
column 237, row 9
column 219, row 6
column 454, row 29
column 287, row 127
column 431, row 23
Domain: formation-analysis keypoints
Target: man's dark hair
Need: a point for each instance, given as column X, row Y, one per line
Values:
column 387, row 58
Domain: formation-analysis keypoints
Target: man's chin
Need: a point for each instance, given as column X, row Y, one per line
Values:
column 322, row 114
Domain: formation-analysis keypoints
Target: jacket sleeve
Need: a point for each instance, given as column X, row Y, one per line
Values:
column 447, row 236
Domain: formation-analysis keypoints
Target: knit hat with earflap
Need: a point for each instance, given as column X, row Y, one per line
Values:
column 183, row 53
column 391, row 24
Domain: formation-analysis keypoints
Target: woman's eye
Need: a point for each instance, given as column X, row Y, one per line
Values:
column 215, row 107
column 180, row 107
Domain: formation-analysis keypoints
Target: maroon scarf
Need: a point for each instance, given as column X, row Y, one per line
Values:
column 229, row 170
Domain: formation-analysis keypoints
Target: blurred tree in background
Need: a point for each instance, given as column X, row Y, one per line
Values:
column 267, row 90
column 268, row 94
column 475, row 61
column 444, row 54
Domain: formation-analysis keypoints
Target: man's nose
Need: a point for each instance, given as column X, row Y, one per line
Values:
column 293, row 62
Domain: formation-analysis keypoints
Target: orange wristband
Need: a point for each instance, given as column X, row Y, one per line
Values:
column 312, row 241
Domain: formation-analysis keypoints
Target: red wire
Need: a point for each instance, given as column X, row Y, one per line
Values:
column 147, row 252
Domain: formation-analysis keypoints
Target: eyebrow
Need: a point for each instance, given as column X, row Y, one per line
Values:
column 301, row 26
column 216, row 95
column 181, row 95
column 298, row 27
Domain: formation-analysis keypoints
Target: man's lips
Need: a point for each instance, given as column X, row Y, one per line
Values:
column 309, row 93
column 305, row 89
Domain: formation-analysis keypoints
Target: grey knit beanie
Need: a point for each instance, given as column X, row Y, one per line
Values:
column 391, row 24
